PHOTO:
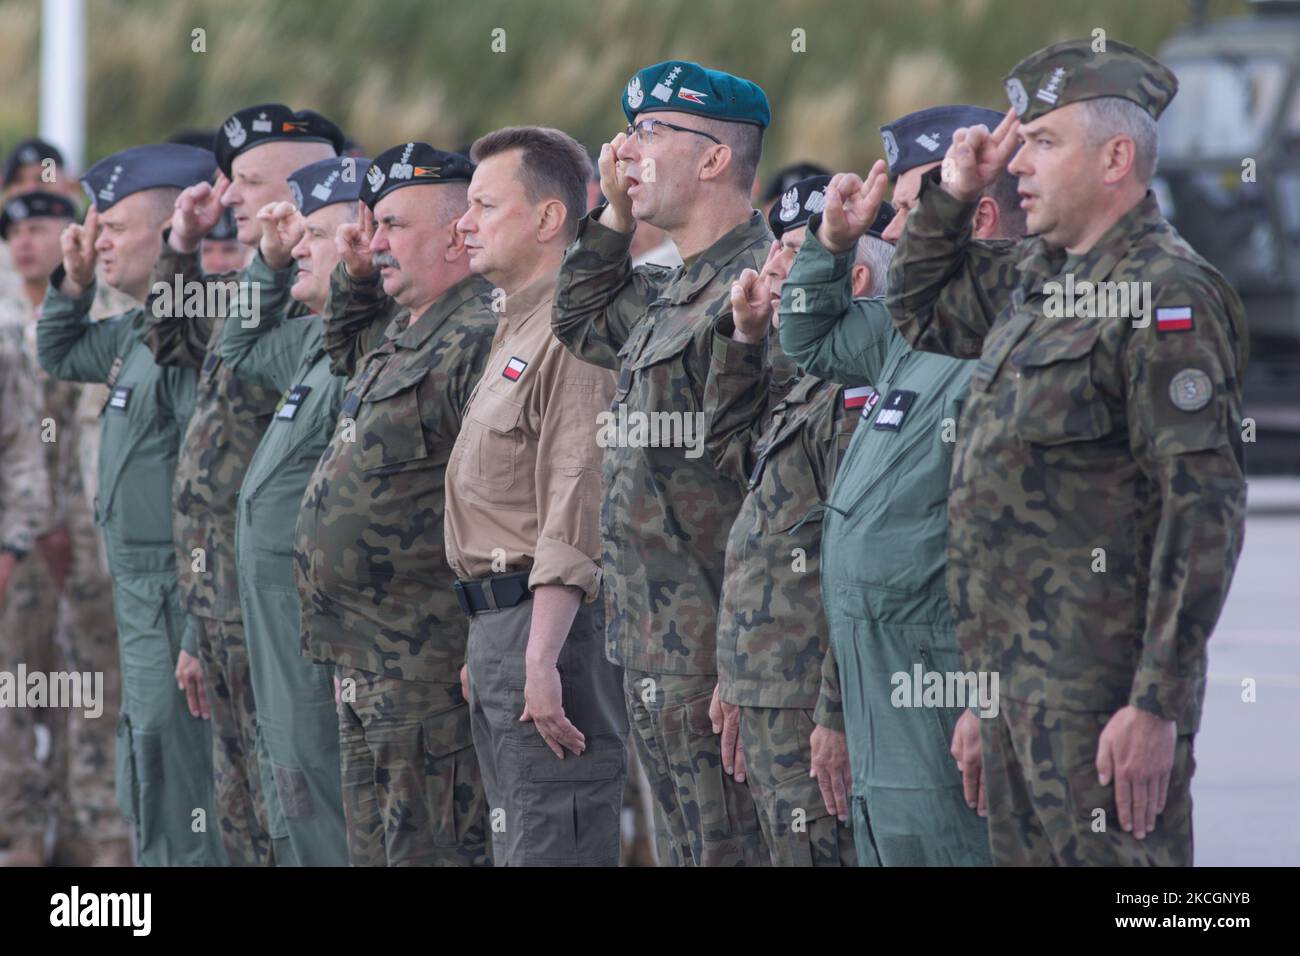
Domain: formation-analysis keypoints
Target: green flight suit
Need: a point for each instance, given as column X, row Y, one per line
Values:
column 164, row 755
column 883, row 569
column 297, row 724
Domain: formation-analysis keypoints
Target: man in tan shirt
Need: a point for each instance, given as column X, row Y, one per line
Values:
column 522, row 528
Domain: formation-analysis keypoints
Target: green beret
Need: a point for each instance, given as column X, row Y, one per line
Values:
column 1070, row 72
column 691, row 88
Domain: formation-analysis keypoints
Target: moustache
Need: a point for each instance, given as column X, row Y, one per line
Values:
column 381, row 259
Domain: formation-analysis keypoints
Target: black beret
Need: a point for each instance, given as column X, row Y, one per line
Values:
column 34, row 205
column 806, row 198
column 327, row 181
column 787, row 176
column 134, row 170
column 412, row 164
column 267, row 123
column 924, row 136
column 31, row 152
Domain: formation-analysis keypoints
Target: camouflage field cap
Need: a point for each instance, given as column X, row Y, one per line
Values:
column 691, row 88
column 1070, row 72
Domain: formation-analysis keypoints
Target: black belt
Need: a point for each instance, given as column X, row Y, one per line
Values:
column 494, row 593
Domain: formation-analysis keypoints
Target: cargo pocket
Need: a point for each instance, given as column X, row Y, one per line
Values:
column 128, row 789
column 571, row 807
column 1056, row 400
column 294, row 791
column 497, row 444
column 453, row 786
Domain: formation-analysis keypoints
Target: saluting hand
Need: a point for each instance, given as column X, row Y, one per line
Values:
column 614, row 184
column 977, row 157
column 79, row 255
column 751, row 306
column 282, row 228
column 851, row 207
column 352, row 240
column 198, row 210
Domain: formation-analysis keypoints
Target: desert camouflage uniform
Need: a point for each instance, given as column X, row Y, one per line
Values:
column 230, row 417
column 773, row 654
column 26, row 510
column 69, row 631
column 376, row 587
column 664, row 520
column 1085, row 438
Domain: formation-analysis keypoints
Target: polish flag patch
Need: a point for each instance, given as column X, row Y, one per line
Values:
column 1174, row 319
column 858, row 397
column 514, row 368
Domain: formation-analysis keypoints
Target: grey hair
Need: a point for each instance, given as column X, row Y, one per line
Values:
column 1109, row 116
column 875, row 254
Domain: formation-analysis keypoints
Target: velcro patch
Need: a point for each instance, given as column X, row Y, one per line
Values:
column 514, row 368
column 863, row 396
column 894, row 410
column 1176, row 318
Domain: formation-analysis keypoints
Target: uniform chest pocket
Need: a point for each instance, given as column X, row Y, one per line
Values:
column 1057, row 400
column 496, row 440
column 789, row 498
column 389, row 426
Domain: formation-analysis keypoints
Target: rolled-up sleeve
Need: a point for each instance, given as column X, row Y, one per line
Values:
column 568, row 480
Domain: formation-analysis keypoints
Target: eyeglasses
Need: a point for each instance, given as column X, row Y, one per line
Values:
column 645, row 129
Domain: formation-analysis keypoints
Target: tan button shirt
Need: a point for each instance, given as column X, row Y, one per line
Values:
column 523, row 483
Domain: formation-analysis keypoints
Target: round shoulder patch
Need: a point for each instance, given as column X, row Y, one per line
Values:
column 1190, row 390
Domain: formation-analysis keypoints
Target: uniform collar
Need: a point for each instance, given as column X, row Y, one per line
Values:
column 414, row 336
column 692, row 277
column 1041, row 261
column 522, row 304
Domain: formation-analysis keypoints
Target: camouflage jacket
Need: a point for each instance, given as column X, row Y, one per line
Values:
column 1098, row 498
column 285, row 354
column 370, row 559
column 24, row 481
column 772, row 631
column 230, row 417
column 667, row 510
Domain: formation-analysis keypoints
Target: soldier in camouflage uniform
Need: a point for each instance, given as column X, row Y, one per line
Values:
column 63, row 606
column 25, row 512
column 1098, row 497
column 296, row 714
column 163, row 755
column 886, row 522
column 372, row 567
column 687, row 164
column 257, row 149
column 773, row 657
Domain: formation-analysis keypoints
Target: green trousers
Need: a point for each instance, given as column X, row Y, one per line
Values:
column 297, row 724
column 164, row 755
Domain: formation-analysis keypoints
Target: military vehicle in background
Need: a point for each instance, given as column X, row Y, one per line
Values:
column 1229, row 180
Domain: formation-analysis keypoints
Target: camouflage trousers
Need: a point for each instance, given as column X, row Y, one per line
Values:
column 1046, row 807
column 797, row 827
column 71, row 632
column 412, row 791
column 703, row 817
column 239, row 799
column 545, row 811
column 28, row 621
